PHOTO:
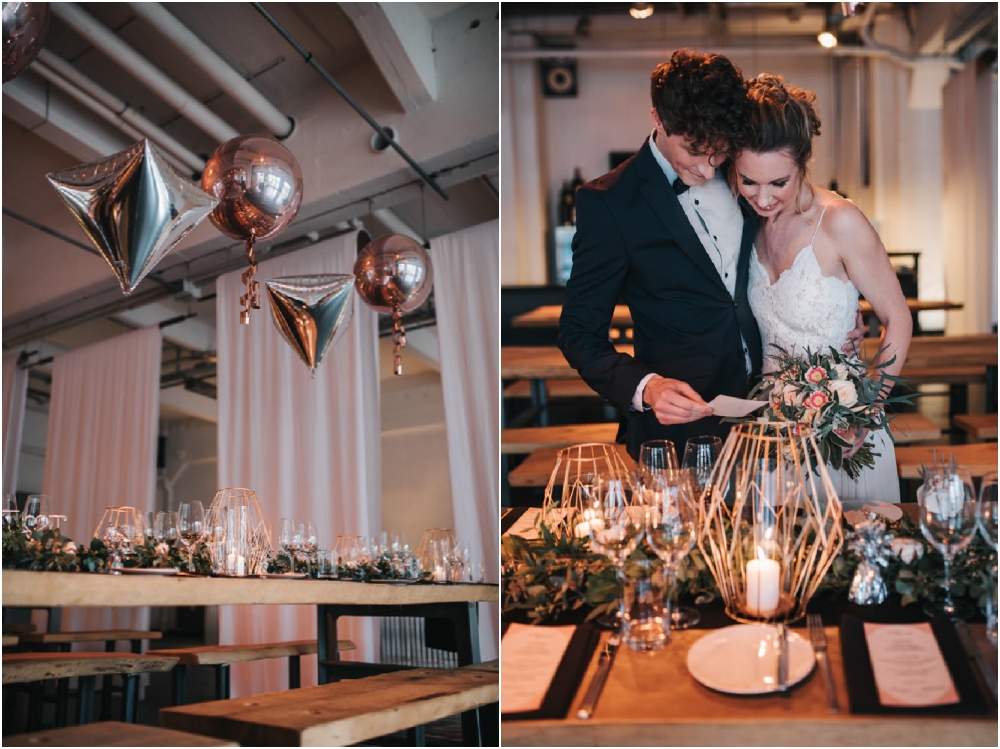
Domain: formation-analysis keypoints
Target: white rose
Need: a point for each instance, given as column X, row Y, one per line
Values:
column 162, row 550
column 841, row 371
column 70, row 547
column 907, row 550
column 845, row 392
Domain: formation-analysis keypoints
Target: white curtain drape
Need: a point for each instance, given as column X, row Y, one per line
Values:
column 15, row 390
column 308, row 446
column 466, row 293
column 100, row 448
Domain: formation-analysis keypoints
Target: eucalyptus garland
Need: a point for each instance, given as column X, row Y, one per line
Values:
column 557, row 573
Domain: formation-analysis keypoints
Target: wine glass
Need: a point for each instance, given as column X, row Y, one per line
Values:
column 700, row 454
column 987, row 522
column 10, row 511
column 36, row 514
column 657, row 456
column 948, row 522
column 613, row 530
column 165, row 527
column 190, row 526
column 672, row 530
column 286, row 536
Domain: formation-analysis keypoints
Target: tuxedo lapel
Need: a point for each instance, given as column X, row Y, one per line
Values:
column 744, row 315
column 661, row 198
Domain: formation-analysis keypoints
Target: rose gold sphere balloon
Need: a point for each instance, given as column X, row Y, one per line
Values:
column 393, row 271
column 25, row 26
column 258, row 184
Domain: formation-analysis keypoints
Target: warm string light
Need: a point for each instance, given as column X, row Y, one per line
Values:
column 641, row 10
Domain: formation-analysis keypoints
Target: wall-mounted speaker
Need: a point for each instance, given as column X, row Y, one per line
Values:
column 558, row 77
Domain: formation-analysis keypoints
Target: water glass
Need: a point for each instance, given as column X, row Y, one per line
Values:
column 645, row 621
column 165, row 527
column 10, row 511
column 326, row 561
column 36, row 514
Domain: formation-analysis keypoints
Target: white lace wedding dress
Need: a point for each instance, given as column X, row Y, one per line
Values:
column 805, row 309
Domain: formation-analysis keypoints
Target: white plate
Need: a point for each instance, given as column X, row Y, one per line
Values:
column 149, row 570
column 741, row 659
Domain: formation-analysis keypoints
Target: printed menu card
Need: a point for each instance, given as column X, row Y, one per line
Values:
column 908, row 666
column 529, row 658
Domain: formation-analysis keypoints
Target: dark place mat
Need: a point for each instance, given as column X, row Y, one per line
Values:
column 861, row 689
column 567, row 678
column 510, row 518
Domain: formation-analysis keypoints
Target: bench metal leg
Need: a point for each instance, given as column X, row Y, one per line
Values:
column 222, row 681
column 109, row 647
column 85, row 700
column 36, row 700
column 130, row 697
column 416, row 736
column 178, row 686
column 294, row 671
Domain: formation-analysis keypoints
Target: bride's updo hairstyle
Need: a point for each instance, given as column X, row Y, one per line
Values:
column 780, row 116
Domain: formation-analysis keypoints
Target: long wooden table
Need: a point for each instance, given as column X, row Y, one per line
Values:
column 456, row 603
column 651, row 699
column 547, row 315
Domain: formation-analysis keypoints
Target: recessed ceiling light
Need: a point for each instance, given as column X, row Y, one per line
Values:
column 827, row 39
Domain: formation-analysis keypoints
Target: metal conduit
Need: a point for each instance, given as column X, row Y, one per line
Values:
column 307, row 56
column 55, row 69
column 205, row 58
column 143, row 70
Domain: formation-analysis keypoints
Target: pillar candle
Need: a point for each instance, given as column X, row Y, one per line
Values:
column 763, row 587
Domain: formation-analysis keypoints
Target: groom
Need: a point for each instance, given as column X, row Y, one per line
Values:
column 664, row 233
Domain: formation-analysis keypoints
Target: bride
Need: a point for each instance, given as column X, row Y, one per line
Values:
column 814, row 251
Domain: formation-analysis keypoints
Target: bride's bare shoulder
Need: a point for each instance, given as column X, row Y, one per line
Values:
column 844, row 219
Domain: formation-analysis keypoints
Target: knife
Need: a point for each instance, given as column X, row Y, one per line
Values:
column 782, row 644
column 601, row 676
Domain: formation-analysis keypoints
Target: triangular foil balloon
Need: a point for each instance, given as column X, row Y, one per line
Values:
column 134, row 207
column 312, row 312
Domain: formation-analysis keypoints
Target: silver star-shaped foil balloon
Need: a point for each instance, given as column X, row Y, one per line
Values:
column 311, row 312
column 134, row 206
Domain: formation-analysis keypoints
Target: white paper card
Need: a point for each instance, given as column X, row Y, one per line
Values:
column 908, row 665
column 529, row 657
column 724, row 405
column 525, row 525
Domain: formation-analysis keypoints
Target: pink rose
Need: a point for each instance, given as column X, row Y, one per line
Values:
column 815, row 374
column 791, row 398
column 817, row 400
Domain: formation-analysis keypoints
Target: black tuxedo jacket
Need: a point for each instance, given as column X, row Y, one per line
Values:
column 634, row 243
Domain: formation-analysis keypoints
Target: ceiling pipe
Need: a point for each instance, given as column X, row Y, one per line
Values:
column 308, row 57
column 55, row 69
column 139, row 67
column 877, row 49
column 206, row 59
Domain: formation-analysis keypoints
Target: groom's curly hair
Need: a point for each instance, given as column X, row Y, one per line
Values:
column 702, row 97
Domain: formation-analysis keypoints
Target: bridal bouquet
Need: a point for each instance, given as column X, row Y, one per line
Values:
column 836, row 395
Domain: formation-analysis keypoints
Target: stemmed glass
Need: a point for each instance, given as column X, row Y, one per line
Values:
column 190, row 525
column 614, row 531
column 10, row 511
column 700, row 454
column 987, row 522
column 36, row 514
column 656, row 457
column 948, row 522
column 672, row 530
column 165, row 527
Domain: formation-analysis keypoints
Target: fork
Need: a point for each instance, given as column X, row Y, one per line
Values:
column 817, row 638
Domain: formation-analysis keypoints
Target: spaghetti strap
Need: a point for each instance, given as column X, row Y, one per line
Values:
column 816, row 230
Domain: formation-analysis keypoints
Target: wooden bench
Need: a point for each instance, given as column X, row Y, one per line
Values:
column 221, row 656
column 113, row 733
column 341, row 713
column 21, row 668
column 554, row 389
column 980, row 426
column 980, row 458
column 913, row 427
column 64, row 641
column 528, row 439
column 537, row 467
column 10, row 640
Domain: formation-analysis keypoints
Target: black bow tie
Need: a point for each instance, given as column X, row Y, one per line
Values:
column 679, row 187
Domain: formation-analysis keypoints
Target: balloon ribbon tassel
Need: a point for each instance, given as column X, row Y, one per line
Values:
column 250, row 300
column 399, row 339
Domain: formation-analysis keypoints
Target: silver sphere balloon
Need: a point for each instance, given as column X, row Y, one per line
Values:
column 25, row 26
column 393, row 273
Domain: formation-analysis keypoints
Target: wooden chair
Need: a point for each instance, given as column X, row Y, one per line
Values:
column 21, row 668
column 221, row 656
column 913, row 427
column 344, row 712
column 113, row 733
